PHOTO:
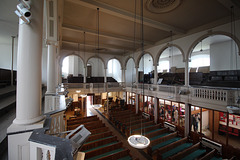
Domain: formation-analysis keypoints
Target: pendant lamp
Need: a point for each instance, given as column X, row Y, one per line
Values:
column 139, row 141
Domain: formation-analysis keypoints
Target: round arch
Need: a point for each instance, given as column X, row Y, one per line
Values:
column 116, row 59
column 194, row 44
column 69, row 54
column 140, row 56
column 164, row 48
column 126, row 61
column 104, row 65
column 63, row 66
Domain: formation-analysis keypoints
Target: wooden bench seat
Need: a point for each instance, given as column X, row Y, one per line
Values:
column 99, row 136
column 156, row 131
column 192, row 152
column 152, row 128
column 98, row 130
column 173, row 148
column 99, row 142
column 79, row 121
column 104, row 151
column 88, row 125
column 161, row 142
column 141, row 129
column 211, row 155
column 132, row 122
column 122, row 155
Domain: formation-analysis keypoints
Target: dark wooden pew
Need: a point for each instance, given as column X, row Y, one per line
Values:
column 173, row 148
column 121, row 154
column 88, row 125
column 98, row 143
column 99, row 136
column 188, row 152
column 99, row 130
column 160, row 142
column 99, row 153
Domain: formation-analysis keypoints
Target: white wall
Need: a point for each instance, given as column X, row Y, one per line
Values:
column 80, row 66
column 114, row 70
column 147, row 64
column 71, row 65
column 6, row 54
column 97, row 67
column 222, row 57
column 130, row 73
column 174, row 57
column 205, row 120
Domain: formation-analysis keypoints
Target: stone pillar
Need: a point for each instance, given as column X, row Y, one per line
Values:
column 187, row 118
column 123, row 75
column 105, row 75
column 85, row 75
column 186, row 73
column 155, row 74
column 51, row 69
column 59, row 73
column 29, row 78
column 136, row 74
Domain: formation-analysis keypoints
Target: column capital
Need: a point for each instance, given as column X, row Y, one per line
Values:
column 123, row 68
column 50, row 42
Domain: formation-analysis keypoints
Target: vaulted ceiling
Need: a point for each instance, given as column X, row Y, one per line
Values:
column 117, row 19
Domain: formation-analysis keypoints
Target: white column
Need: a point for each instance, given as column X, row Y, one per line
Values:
column 186, row 73
column 136, row 74
column 123, row 75
column 136, row 97
column 59, row 73
column 51, row 70
column 155, row 109
column 105, row 75
column 187, row 119
column 155, row 74
column 58, row 68
column 85, row 75
column 29, row 79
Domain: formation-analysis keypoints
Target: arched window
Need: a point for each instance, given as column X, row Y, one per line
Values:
column 163, row 65
column 200, row 60
column 65, row 67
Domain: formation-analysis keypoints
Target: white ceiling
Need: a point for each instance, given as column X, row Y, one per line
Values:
column 116, row 22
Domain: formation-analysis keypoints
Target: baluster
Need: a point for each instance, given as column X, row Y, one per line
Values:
column 44, row 154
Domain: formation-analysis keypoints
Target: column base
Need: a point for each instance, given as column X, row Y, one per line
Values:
column 28, row 121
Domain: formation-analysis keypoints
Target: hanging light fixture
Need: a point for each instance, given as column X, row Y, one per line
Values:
column 139, row 141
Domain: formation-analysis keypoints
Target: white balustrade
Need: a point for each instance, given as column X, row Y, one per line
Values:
column 57, row 123
column 40, row 151
column 210, row 94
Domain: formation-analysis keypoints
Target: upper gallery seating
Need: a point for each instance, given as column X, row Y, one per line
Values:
column 79, row 79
